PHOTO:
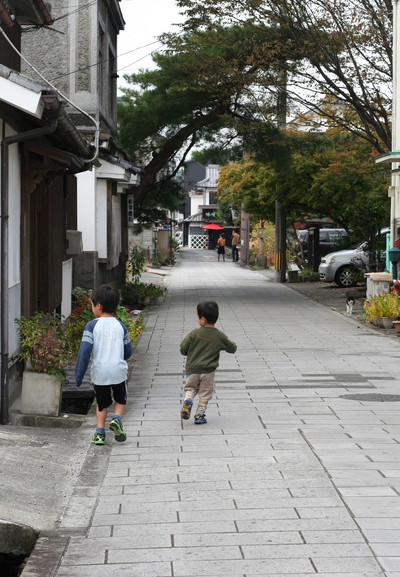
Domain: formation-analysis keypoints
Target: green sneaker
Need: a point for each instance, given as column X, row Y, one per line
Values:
column 119, row 433
column 98, row 438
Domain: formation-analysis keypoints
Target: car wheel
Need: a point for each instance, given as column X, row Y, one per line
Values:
column 345, row 277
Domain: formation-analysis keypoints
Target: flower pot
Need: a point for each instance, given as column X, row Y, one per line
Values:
column 387, row 323
column 41, row 394
column 397, row 326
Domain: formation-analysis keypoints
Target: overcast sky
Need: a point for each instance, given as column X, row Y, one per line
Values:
column 145, row 20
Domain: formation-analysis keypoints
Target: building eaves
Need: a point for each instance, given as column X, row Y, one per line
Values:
column 199, row 217
column 125, row 164
column 116, row 14
column 46, row 107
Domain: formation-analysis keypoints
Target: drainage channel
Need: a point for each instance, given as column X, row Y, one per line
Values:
column 73, row 404
column 11, row 565
column 16, row 544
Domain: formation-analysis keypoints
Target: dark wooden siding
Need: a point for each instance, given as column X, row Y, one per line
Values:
column 71, row 202
column 8, row 56
column 43, row 245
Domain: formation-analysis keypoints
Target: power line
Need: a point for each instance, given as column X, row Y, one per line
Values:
column 108, row 60
column 83, row 7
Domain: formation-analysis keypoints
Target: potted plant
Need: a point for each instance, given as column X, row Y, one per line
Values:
column 382, row 309
column 144, row 296
column 308, row 275
column 46, row 352
column 149, row 293
column 129, row 293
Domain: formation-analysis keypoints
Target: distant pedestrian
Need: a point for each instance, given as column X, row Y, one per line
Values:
column 235, row 243
column 106, row 341
column 202, row 347
column 221, row 242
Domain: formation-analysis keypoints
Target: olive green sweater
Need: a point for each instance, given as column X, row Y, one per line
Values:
column 202, row 347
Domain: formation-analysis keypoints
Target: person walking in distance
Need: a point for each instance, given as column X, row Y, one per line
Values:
column 221, row 242
column 235, row 243
column 106, row 341
column 202, row 347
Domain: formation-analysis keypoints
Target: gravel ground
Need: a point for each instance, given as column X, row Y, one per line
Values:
column 330, row 295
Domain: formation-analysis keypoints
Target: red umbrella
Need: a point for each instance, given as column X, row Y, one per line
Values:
column 213, row 226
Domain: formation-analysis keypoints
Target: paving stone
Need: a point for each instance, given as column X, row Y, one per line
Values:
column 288, row 477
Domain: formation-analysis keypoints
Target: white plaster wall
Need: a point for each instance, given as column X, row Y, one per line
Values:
column 116, row 230
column 195, row 202
column 14, row 226
column 101, row 218
column 14, row 244
column 86, row 187
column 67, row 272
column 14, row 311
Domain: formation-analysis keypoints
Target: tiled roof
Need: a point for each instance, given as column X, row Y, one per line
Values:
column 210, row 181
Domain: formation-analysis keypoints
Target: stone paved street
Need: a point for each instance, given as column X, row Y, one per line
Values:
column 297, row 471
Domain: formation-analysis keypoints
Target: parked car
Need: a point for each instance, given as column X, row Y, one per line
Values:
column 328, row 240
column 341, row 267
column 179, row 237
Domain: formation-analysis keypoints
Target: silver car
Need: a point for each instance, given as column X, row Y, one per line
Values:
column 341, row 267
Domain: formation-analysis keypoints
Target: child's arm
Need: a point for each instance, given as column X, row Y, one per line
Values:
column 85, row 352
column 185, row 344
column 82, row 362
column 128, row 351
column 229, row 346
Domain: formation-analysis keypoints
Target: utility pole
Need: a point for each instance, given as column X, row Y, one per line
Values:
column 280, row 212
column 244, row 235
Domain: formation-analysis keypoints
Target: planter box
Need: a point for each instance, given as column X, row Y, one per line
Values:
column 41, row 394
column 293, row 275
column 309, row 278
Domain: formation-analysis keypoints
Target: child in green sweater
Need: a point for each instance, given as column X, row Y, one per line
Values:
column 202, row 348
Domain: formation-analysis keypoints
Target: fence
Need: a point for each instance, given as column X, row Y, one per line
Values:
column 199, row 241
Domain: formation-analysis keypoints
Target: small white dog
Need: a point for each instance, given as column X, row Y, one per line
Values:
column 350, row 301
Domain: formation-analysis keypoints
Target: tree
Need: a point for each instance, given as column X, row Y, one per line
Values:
column 330, row 175
column 345, row 46
column 219, row 79
column 203, row 86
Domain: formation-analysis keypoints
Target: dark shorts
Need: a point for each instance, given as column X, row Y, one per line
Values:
column 106, row 393
column 221, row 250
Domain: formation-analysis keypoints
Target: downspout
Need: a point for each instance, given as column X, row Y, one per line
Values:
column 4, row 236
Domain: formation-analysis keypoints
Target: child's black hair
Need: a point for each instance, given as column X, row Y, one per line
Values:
column 208, row 310
column 107, row 296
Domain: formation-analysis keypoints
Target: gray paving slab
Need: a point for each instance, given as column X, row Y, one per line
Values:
column 288, row 477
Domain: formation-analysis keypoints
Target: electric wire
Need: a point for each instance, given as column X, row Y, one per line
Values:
column 95, row 122
column 108, row 60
